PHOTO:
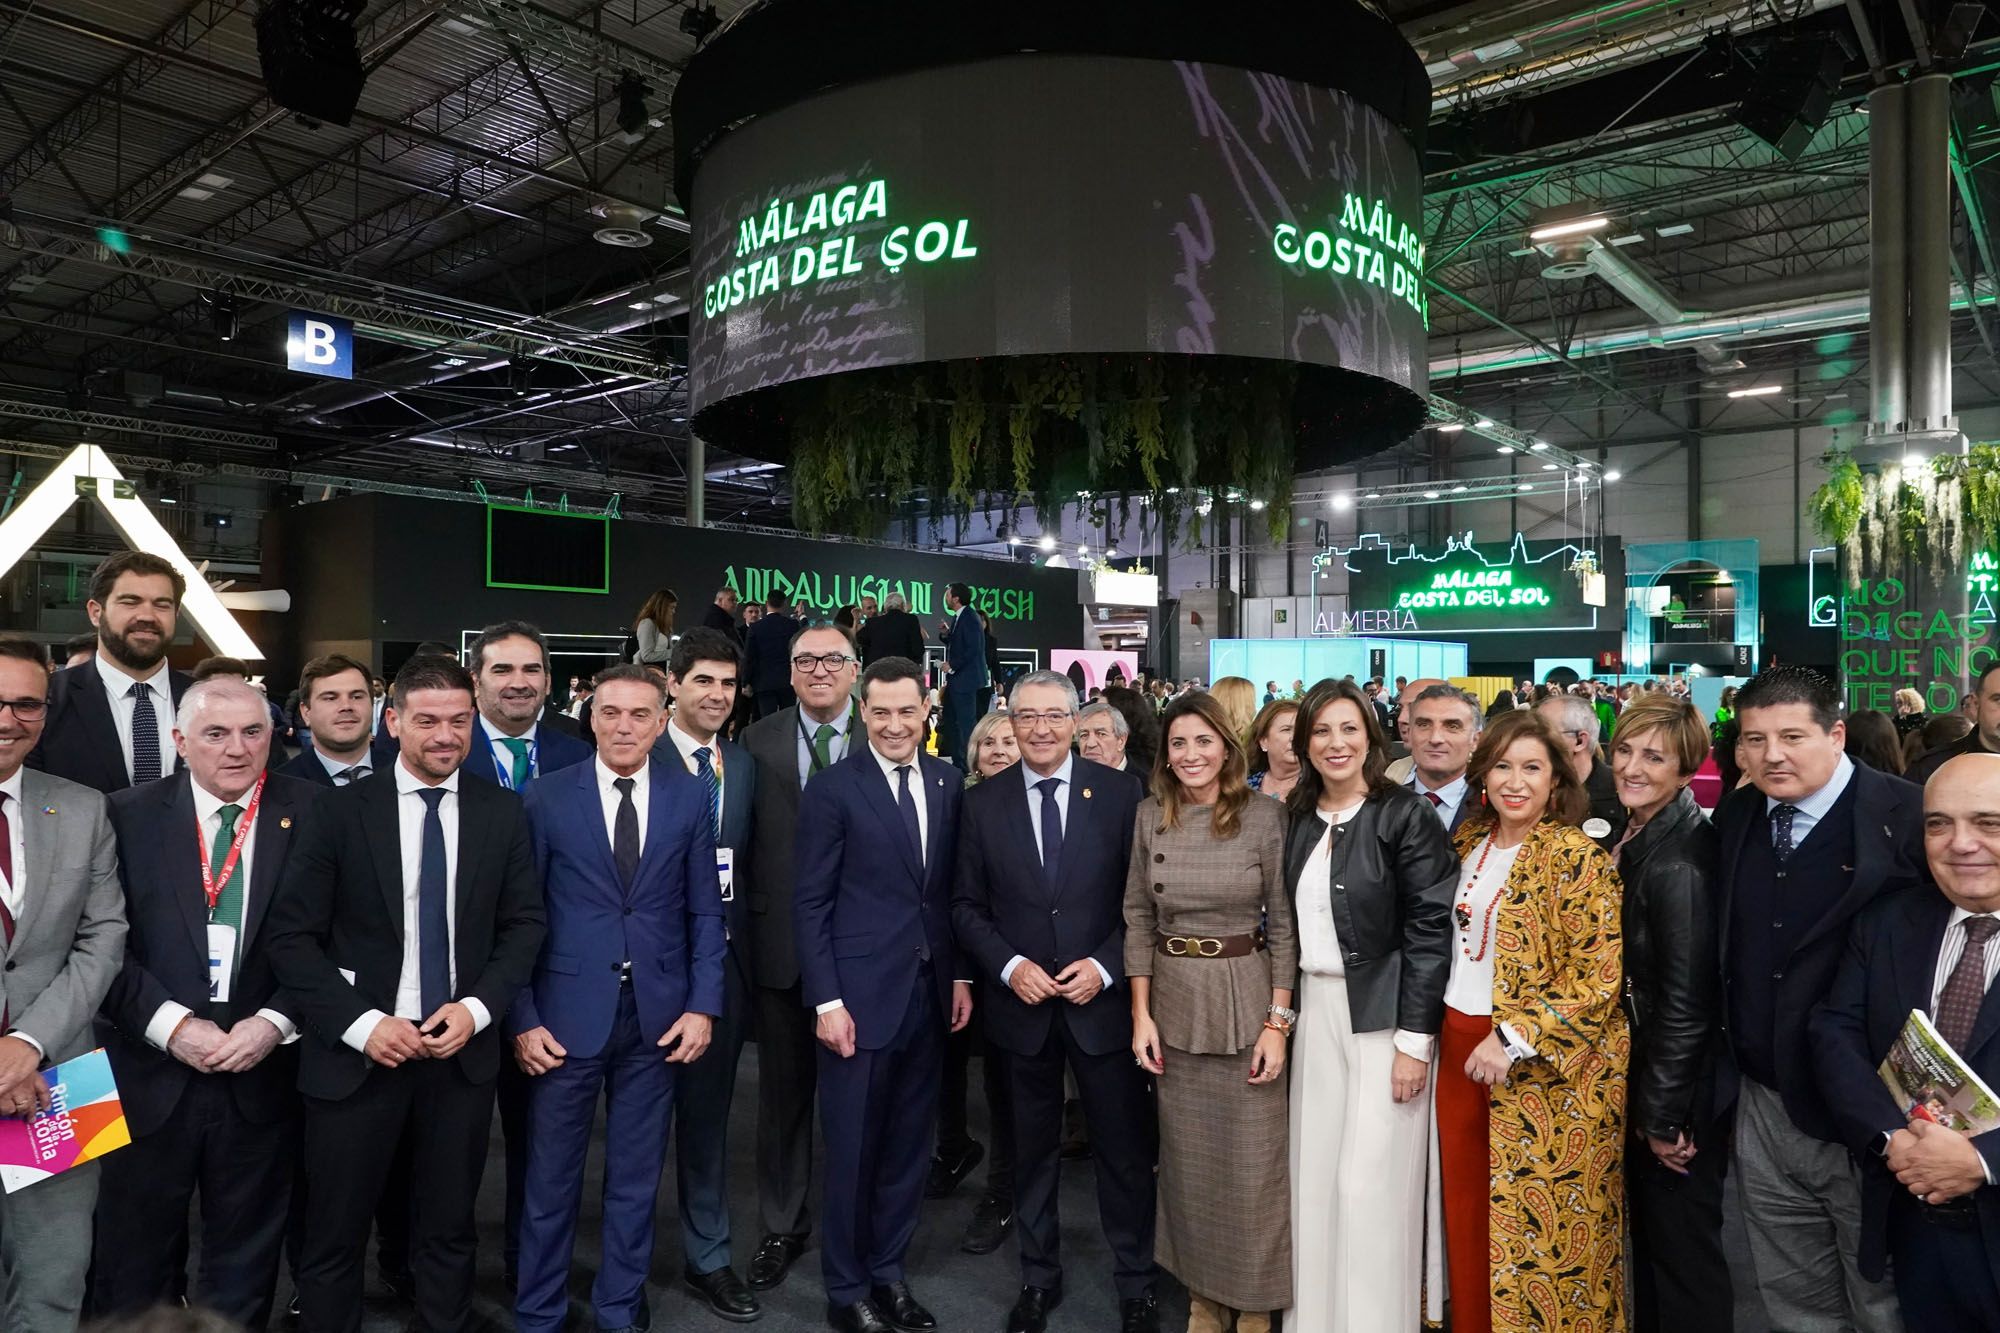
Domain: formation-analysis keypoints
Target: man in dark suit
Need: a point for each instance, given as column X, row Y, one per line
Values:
column 965, row 673
column 407, row 921
column 872, row 915
column 789, row 748
column 110, row 721
column 766, row 650
column 721, row 615
column 195, row 1021
column 701, row 676
column 1444, row 728
column 628, row 987
column 891, row 632
column 336, row 702
column 1928, row 1196
column 1812, row 842
column 1042, row 855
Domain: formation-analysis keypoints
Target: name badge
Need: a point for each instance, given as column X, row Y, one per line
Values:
column 725, row 872
column 221, row 960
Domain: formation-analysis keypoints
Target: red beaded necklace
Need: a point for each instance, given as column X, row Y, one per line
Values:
column 1463, row 912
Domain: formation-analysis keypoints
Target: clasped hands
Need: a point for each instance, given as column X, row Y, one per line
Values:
column 439, row 1037
column 200, row 1044
column 537, row 1051
column 23, row 1090
column 1079, row 983
column 1934, row 1163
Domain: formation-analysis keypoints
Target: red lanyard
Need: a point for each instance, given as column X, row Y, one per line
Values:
column 211, row 883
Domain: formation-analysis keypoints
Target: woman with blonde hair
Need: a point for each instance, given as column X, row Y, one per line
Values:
column 1238, row 698
column 1211, row 957
column 991, row 748
column 1532, row 1061
column 1911, row 712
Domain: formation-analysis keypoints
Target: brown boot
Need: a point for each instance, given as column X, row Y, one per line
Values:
column 1254, row 1321
column 1205, row 1316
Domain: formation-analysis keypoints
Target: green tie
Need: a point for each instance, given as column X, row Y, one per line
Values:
column 823, row 744
column 518, row 747
column 229, row 898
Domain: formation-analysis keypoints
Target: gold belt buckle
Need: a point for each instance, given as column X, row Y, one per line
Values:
column 1208, row 948
column 1177, row 946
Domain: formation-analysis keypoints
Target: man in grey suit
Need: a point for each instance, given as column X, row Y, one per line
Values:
column 62, row 914
column 789, row 747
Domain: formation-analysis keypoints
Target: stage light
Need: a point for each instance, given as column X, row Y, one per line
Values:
column 222, row 321
column 308, row 54
column 633, row 122
column 1613, row 476
column 1048, row 543
column 1256, row 506
column 1343, row 501
column 1430, row 495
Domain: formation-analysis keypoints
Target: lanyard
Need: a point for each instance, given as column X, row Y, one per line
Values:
column 504, row 758
column 211, row 883
column 812, row 754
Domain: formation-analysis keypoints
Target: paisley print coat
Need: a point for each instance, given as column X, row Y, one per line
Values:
column 1556, row 1129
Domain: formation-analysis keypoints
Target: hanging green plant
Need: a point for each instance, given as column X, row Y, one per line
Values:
column 1938, row 512
column 1836, row 506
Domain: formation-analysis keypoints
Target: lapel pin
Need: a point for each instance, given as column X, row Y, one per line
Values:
column 286, row 822
column 48, row 809
column 1086, row 793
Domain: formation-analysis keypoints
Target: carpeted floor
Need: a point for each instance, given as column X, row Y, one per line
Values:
column 965, row 1292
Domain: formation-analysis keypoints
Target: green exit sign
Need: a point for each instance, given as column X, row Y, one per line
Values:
column 121, row 489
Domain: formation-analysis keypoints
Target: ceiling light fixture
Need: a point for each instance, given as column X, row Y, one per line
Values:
column 1256, row 506
column 1539, row 445
column 1372, row 495
column 1548, row 467
column 1048, row 543
column 1524, row 486
column 1430, row 495
column 1484, row 423
column 1757, row 391
column 1506, row 448
column 1613, row 476
column 1449, row 427
column 1343, row 501
column 1572, row 227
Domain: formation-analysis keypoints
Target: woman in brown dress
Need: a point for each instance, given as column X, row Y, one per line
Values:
column 1211, row 956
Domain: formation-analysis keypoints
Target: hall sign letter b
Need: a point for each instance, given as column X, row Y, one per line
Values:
column 319, row 345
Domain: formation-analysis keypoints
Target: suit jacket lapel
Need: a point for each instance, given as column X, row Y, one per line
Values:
column 42, row 816
column 879, row 794
column 1873, row 837
column 385, row 840
column 271, row 834
column 658, row 815
column 179, row 859
column 1020, row 827
column 93, row 705
column 928, row 771
column 472, row 842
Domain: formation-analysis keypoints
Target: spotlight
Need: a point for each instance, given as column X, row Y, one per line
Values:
column 1256, row 506
column 1343, row 501
column 698, row 21
column 1613, row 476
column 310, row 61
column 222, row 320
column 632, row 119
column 215, row 520
column 1048, row 543
column 1430, row 495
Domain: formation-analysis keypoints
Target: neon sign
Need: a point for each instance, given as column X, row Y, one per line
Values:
column 758, row 274
column 1463, row 589
column 1369, row 243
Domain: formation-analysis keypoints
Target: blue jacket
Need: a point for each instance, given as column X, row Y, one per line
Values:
column 865, row 913
column 554, row 752
column 766, row 646
column 668, row 926
column 965, row 653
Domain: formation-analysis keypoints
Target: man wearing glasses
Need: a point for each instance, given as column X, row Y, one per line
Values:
column 1576, row 720
column 789, row 746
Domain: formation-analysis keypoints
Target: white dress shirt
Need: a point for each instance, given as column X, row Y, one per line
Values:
column 1061, row 775
column 687, row 745
column 836, row 747
column 335, row 767
column 17, row 823
column 1452, row 794
column 1811, row 809
column 1319, row 937
column 608, row 797
column 410, row 814
column 504, row 757
column 208, row 813
column 118, row 685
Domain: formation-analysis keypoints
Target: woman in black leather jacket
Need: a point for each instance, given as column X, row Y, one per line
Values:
column 1370, row 874
column 1667, row 860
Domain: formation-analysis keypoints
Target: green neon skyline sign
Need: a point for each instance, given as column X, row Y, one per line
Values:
column 1474, row 589
column 1370, row 244
column 781, row 247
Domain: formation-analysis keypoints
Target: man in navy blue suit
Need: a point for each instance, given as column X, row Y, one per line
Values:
column 965, row 673
column 701, row 676
column 767, row 647
column 336, row 701
column 871, row 912
column 627, row 987
column 1040, row 910
column 1928, row 1195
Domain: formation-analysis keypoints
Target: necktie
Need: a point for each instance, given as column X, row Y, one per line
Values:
column 1052, row 829
column 433, row 916
column 354, row 774
column 1437, row 801
column 710, row 779
column 523, row 770
column 909, row 805
column 1965, row 990
column 145, row 736
column 625, row 833
column 823, row 744
column 1781, row 830
column 229, row 898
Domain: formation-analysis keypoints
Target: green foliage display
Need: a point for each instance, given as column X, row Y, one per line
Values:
column 1936, row 511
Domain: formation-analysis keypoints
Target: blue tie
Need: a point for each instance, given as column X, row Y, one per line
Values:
column 145, row 736
column 433, row 920
column 909, row 804
column 1781, row 831
column 1052, row 830
column 705, row 770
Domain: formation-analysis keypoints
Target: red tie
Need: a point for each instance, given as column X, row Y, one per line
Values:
column 1437, row 801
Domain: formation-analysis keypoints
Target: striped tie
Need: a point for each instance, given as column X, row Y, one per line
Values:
column 713, row 781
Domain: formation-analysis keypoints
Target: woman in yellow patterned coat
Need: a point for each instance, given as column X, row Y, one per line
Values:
column 1532, row 1061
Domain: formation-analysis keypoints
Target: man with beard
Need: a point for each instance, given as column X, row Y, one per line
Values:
column 407, row 920
column 336, row 701
column 110, row 720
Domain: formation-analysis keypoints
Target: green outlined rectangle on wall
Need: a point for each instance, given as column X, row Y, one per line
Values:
column 546, row 557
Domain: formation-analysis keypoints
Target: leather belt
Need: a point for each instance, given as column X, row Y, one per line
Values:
column 1210, row 946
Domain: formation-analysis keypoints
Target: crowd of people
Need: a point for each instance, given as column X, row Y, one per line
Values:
column 1369, row 1005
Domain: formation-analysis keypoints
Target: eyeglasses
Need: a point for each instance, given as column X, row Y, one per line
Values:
column 806, row 663
column 1053, row 719
column 26, row 709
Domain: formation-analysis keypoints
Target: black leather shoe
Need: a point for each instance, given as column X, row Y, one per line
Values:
column 860, row 1317
column 774, row 1258
column 725, row 1294
column 991, row 1221
column 1031, row 1311
column 900, row 1308
column 948, row 1172
column 1139, row 1316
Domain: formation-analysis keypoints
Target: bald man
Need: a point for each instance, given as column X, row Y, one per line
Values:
column 1929, row 1203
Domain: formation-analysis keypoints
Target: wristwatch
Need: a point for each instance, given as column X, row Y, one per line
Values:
column 1283, row 1017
